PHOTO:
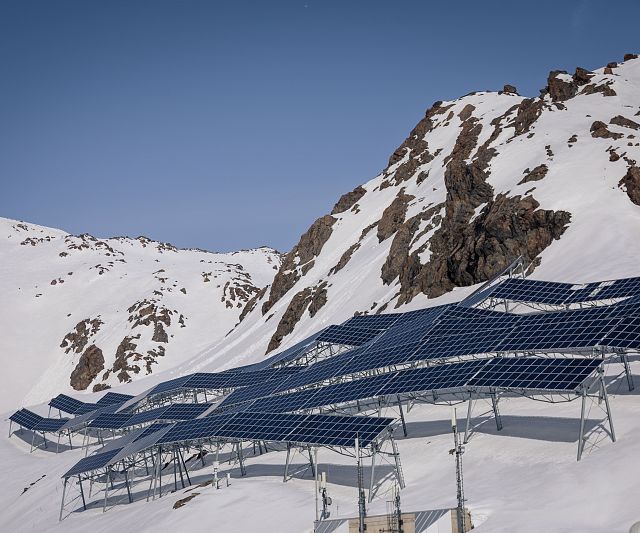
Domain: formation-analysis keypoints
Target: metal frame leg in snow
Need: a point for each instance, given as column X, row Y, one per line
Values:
column 496, row 412
column 606, row 403
column 373, row 473
column 582, row 413
column 468, row 426
column 286, row 464
column 404, row 424
column 627, row 370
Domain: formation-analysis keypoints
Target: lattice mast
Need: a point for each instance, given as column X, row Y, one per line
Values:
column 458, row 450
column 362, row 509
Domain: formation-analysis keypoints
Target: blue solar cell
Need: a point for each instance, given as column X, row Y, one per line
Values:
column 535, row 373
column 112, row 398
column 66, row 404
column 93, row 462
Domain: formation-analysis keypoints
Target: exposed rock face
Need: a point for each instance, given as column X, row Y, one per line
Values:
column 398, row 259
column 309, row 246
column 559, row 89
column 318, row 299
column 528, row 112
column 292, row 315
column 599, row 130
column 344, row 259
column 312, row 298
column 77, row 339
column 536, row 174
column 393, row 216
column 90, row 365
column 251, row 304
column 416, row 146
column 147, row 313
column 509, row 89
column 582, row 76
column 126, row 350
column 505, row 228
column 625, row 122
column 631, row 183
column 348, row 200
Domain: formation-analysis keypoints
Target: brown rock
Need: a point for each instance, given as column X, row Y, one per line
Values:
column 466, row 112
column 528, row 112
column 309, row 246
column 582, row 76
column 344, row 258
column 509, row 89
column 296, row 308
column 560, row 90
column 536, row 174
column 393, row 216
column 599, row 131
column 349, row 199
column 628, row 57
column 91, row 363
column 619, row 120
column 631, row 183
column 506, row 228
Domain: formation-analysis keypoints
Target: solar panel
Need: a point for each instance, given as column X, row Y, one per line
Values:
column 113, row 398
column 50, row 425
column 110, row 420
column 66, row 404
column 348, row 335
column 327, row 430
column 170, row 385
column 25, row 418
column 554, row 293
column 93, row 462
column 535, row 373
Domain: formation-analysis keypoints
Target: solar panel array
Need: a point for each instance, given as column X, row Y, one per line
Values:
column 33, row 421
column 321, row 430
column 550, row 375
column 553, row 293
column 176, row 411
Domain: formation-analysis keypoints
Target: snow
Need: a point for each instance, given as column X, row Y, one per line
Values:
column 524, row 478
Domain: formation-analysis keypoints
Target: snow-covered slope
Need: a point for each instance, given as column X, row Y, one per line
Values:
column 80, row 313
column 479, row 181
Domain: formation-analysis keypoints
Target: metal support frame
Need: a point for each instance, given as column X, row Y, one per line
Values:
column 625, row 361
column 496, row 412
column 404, row 424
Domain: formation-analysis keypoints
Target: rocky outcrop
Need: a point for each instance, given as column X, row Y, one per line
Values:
column 599, row 130
column 91, row 363
column 416, row 146
column 251, row 304
column 344, row 259
column 145, row 313
column 77, row 339
column 348, row 200
column 625, row 122
column 527, row 113
column 631, row 183
column 536, row 174
column 393, row 216
column 399, row 258
column 560, row 89
column 505, row 229
column 295, row 310
column 298, row 260
column 312, row 298
column 318, row 299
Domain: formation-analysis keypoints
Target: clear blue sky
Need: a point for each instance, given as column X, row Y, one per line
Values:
column 227, row 125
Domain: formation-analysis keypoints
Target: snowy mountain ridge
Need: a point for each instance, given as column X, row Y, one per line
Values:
column 479, row 181
column 83, row 313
